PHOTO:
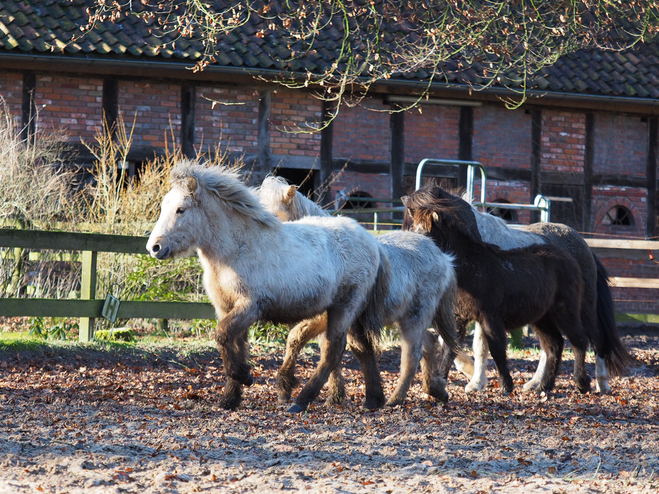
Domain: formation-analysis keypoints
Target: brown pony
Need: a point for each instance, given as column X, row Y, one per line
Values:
column 502, row 290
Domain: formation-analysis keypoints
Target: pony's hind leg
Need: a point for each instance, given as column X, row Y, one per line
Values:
column 336, row 388
column 339, row 318
column 478, row 380
column 433, row 384
column 298, row 337
column 366, row 352
column 569, row 323
column 534, row 383
column 601, row 376
column 411, row 351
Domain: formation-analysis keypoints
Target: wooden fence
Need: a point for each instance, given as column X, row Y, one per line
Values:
column 88, row 308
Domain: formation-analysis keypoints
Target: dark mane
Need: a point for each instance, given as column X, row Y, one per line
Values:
column 450, row 209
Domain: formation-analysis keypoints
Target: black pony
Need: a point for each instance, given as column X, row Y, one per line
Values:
column 503, row 290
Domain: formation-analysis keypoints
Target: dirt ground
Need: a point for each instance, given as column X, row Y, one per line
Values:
column 146, row 420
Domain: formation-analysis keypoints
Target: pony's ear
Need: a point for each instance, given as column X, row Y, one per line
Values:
column 290, row 194
column 405, row 200
column 192, row 185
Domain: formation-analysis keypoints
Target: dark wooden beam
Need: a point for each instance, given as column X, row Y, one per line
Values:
column 110, row 103
column 265, row 165
column 321, row 179
column 651, row 174
column 188, row 103
column 536, row 155
column 466, row 137
column 397, row 157
column 28, row 108
column 587, row 210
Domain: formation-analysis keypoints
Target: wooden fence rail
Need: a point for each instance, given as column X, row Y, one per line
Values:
column 88, row 308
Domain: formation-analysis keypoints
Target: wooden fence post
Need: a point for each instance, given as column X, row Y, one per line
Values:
column 88, row 292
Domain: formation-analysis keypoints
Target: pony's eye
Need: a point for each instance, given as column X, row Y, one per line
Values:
column 180, row 211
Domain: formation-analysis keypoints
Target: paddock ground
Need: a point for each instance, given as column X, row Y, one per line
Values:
column 145, row 420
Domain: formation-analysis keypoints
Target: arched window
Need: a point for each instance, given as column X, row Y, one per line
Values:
column 355, row 203
column 618, row 216
column 508, row 215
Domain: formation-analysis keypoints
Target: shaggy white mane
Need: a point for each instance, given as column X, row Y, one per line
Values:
column 223, row 183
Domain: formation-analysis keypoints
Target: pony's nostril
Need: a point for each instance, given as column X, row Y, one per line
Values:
column 155, row 248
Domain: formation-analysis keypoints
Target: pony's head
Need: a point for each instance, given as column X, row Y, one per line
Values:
column 199, row 199
column 284, row 200
column 278, row 197
column 435, row 212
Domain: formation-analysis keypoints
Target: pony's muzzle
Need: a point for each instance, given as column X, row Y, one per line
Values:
column 159, row 252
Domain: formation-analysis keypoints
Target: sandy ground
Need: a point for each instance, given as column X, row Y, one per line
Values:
column 139, row 420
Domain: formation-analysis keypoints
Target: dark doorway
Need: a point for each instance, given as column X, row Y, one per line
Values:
column 299, row 176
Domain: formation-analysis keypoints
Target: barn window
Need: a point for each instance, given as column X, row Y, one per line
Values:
column 508, row 215
column 618, row 216
column 355, row 203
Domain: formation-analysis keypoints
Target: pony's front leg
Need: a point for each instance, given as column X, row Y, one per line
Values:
column 497, row 341
column 339, row 319
column 298, row 337
column 231, row 339
column 481, row 349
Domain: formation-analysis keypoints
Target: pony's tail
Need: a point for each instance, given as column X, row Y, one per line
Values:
column 372, row 317
column 615, row 355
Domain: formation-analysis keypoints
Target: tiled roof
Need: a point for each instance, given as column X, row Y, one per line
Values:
column 48, row 26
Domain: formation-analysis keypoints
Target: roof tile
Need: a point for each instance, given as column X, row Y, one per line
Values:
column 34, row 26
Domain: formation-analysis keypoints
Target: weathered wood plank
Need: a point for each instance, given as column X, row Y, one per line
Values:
column 39, row 307
column 622, row 244
column 37, row 239
column 622, row 282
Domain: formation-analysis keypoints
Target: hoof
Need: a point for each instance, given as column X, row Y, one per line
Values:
column 229, row 402
column 283, row 398
column 248, row 381
column 295, row 408
column 441, row 397
column 583, row 387
column 333, row 400
column 475, row 387
column 373, row 403
column 530, row 386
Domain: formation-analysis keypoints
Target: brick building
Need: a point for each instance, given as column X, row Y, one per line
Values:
column 589, row 132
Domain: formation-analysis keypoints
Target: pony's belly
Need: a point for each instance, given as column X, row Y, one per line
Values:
column 292, row 312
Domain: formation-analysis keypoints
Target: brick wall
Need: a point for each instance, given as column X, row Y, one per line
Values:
column 511, row 192
column 11, row 91
column 72, row 104
column 227, row 117
column 563, row 141
column 621, row 145
column 432, row 133
column 502, row 138
column 291, row 113
column 361, row 134
column 376, row 184
column 156, row 109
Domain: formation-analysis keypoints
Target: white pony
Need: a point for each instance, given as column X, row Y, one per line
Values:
column 421, row 291
column 257, row 268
